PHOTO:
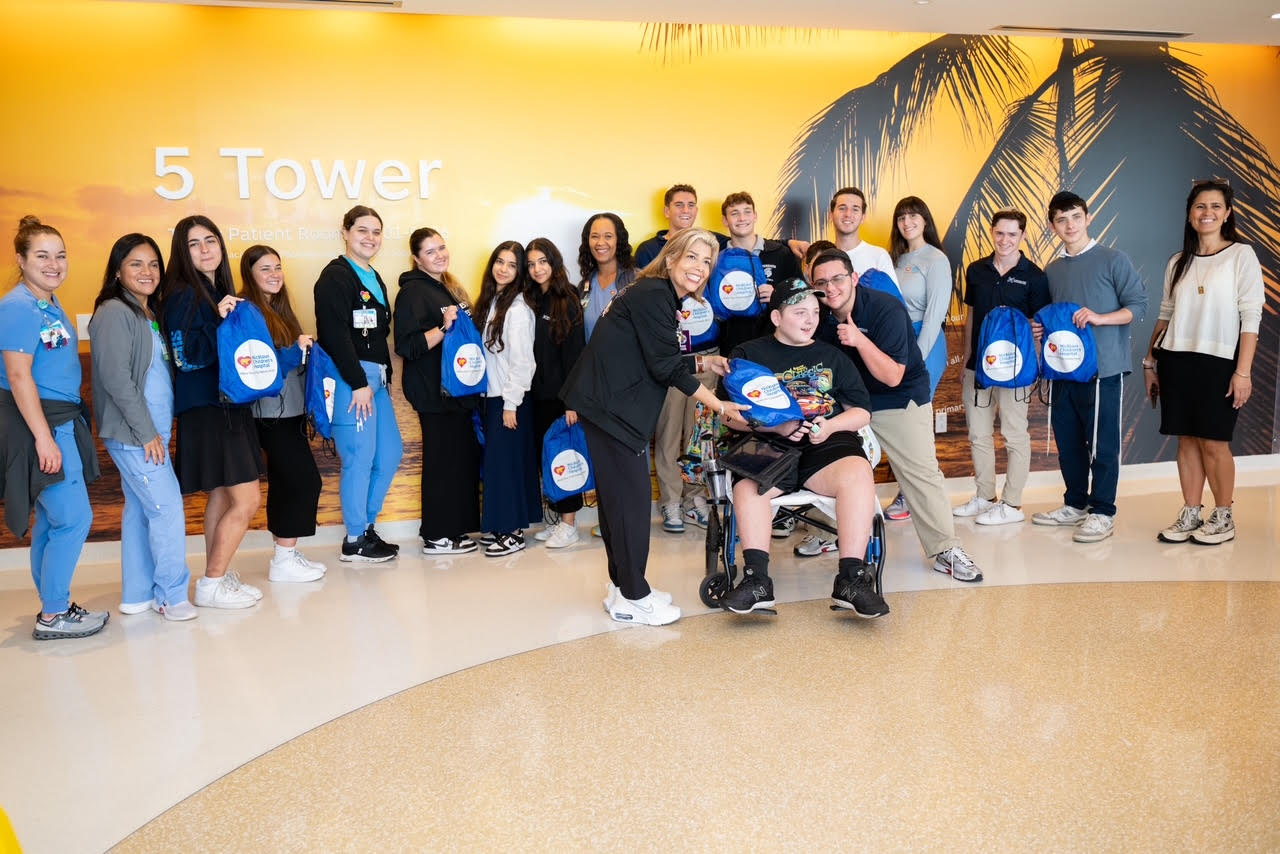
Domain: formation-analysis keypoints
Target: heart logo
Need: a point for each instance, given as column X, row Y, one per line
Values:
column 991, row 360
column 1053, row 348
column 327, row 394
column 462, row 361
column 245, row 361
column 727, row 287
column 684, row 313
column 754, row 394
column 364, row 295
column 558, row 470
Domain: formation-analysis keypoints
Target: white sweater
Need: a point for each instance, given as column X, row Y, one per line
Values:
column 1218, row 297
column 510, row 370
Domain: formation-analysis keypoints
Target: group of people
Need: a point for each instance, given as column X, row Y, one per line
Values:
column 626, row 355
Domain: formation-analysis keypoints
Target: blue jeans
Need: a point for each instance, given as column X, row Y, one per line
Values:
column 370, row 450
column 935, row 361
column 153, row 530
column 63, row 518
column 1073, row 426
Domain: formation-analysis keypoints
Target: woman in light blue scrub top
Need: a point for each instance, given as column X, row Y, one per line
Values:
column 133, row 402
column 605, row 264
column 41, row 373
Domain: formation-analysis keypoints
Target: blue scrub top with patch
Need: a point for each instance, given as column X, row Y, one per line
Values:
column 56, row 370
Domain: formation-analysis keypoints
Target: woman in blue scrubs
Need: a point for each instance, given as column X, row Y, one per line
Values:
column 48, row 449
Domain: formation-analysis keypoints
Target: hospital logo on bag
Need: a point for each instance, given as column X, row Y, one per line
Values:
column 1003, row 361
column 737, row 291
column 766, row 391
column 697, row 324
column 256, row 364
column 1064, row 351
column 569, row 470
column 469, row 362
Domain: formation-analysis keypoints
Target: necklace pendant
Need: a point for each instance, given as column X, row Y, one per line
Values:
column 1200, row 289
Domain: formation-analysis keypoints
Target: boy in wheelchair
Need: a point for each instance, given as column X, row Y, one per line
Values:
column 832, row 462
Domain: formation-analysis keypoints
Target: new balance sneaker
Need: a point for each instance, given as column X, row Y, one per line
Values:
column 649, row 611
column 373, row 535
column 1179, row 532
column 563, row 536
column 1001, row 514
column 505, row 544
column 75, row 622
column 898, row 509
column 612, row 593
column 224, row 592
column 957, row 563
column 449, row 546
column 365, row 550
column 1095, row 527
column 289, row 567
column 975, row 506
column 1218, row 528
column 176, row 613
column 672, row 519
column 783, row 526
column 812, row 546
column 1066, row 516
column 140, row 607
column 697, row 514
column 752, row 592
column 857, row 593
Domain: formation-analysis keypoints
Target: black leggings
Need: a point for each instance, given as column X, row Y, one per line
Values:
column 293, row 481
column 624, row 496
column 450, row 475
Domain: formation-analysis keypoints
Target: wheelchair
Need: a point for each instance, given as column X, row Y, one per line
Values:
column 722, row 537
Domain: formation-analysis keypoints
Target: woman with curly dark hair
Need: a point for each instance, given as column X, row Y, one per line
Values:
column 605, row 264
column 558, row 340
column 512, row 499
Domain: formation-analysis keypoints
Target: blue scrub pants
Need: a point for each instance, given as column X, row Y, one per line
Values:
column 370, row 451
column 153, row 533
column 63, row 518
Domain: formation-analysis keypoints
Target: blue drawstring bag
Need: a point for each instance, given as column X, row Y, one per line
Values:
column 566, row 464
column 248, row 368
column 462, row 362
column 321, row 384
column 1066, row 351
column 735, row 283
column 698, row 326
column 1006, row 356
column 878, row 280
column 769, row 404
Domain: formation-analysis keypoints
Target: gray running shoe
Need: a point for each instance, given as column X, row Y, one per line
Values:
column 75, row 622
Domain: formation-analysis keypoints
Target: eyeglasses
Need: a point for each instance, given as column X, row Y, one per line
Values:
column 822, row 284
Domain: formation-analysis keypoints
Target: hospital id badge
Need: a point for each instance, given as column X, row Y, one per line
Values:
column 54, row 335
column 685, row 338
column 364, row 318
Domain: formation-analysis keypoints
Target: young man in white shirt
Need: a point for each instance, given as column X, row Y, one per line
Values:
column 848, row 210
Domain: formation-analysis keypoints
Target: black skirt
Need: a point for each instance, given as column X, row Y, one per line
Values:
column 1193, row 395
column 217, row 446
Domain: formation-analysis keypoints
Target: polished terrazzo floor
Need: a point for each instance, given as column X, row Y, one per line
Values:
column 1051, row 708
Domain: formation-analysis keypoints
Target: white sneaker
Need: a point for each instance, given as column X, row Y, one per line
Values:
column 1179, row 532
column 612, row 593
column 139, row 607
column 957, row 563
column 649, row 611
column 292, row 567
column 564, row 536
column 1095, row 527
column 314, row 564
column 252, row 591
column 1001, row 514
column 178, row 613
column 813, row 545
column 975, row 506
column 545, row 534
column 1066, row 515
column 224, row 592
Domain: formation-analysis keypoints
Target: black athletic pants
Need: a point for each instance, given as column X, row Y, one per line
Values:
column 624, row 496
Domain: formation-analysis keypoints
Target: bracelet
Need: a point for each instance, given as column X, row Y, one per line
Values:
column 1150, row 366
column 722, row 410
column 1240, row 375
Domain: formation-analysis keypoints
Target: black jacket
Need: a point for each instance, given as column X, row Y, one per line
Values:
column 633, row 357
column 420, row 306
column 554, row 361
column 21, row 480
column 337, row 295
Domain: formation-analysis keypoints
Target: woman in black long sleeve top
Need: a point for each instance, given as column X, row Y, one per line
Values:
column 617, row 388
column 559, row 337
column 426, row 306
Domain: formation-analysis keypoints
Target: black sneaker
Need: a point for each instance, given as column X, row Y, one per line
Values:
column 783, row 526
column 373, row 536
column 858, row 594
column 449, row 546
column 366, row 550
column 505, row 544
column 752, row 592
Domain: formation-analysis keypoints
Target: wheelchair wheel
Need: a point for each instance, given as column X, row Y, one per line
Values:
column 713, row 540
column 713, row 587
column 876, row 550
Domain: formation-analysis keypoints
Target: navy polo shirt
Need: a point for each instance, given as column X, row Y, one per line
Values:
column 883, row 318
column 1025, row 287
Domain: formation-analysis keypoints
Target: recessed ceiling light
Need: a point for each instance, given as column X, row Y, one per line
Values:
column 1276, row 16
column 926, row 3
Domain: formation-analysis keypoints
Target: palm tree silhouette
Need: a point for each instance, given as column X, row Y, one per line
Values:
column 1126, row 125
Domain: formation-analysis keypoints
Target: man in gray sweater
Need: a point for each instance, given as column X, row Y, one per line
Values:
column 1086, row 415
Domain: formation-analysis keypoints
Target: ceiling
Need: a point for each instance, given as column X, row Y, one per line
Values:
column 1225, row 21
